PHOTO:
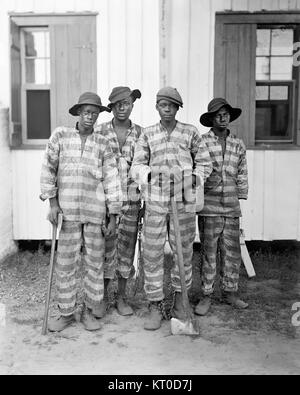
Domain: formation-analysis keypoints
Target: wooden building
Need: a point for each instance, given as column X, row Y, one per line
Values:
column 245, row 50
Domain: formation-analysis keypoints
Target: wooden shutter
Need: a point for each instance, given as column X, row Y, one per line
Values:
column 234, row 73
column 15, row 64
column 73, row 67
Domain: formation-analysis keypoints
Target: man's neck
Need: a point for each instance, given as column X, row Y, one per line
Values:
column 121, row 124
column 170, row 126
column 84, row 131
column 220, row 132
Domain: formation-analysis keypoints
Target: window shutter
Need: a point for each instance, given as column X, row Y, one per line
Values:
column 234, row 77
column 15, row 56
column 73, row 67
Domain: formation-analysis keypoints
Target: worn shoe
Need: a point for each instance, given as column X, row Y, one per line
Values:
column 89, row 321
column 100, row 310
column 234, row 301
column 61, row 323
column 153, row 321
column 123, row 307
column 203, row 306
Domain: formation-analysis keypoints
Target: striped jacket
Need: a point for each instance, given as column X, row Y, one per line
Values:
column 124, row 158
column 228, row 181
column 86, row 184
column 160, row 153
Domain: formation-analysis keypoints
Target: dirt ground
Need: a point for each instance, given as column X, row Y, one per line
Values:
column 259, row 340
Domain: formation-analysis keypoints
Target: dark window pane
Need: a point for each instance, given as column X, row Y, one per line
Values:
column 272, row 120
column 38, row 114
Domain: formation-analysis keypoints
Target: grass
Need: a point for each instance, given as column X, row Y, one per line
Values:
column 271, row 294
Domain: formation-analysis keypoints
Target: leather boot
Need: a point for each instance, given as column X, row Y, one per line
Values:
column 89, row 321
column 154, row 319
column 61, row 323
column 203, row 306
column 123, row 307
column 232, row 299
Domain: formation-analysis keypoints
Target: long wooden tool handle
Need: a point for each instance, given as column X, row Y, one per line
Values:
column 51, row 269
column 185, row 299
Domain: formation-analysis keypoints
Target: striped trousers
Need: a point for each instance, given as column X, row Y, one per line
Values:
column 156, row 227
column 71, row 238
column 220, row 235
column 119, row 250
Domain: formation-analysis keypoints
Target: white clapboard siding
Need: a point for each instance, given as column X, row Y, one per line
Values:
column 271, row 213
column 6, row 229
column 132, row 38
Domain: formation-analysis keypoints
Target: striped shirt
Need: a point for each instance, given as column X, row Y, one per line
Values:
column 124, row 157
column 161, row 153
column 86, row 182
column 228, row 181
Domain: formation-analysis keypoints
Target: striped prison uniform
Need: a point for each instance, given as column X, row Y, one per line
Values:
column 86, row 184
column 160, row 153
column 219, row 227
column 119, row 249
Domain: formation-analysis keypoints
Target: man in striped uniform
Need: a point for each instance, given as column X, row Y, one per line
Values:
column 219, row 219
column 122, row 135
column 169, row 157
column 80, row 178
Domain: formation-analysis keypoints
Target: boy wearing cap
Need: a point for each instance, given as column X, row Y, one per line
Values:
column 80, row 178
column 169, row 157
column 219, row 219
column 122, row 135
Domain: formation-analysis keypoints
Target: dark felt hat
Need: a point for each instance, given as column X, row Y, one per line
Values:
column 88, row 98
column 123, row 92
column 214, row 106
column 170, row 94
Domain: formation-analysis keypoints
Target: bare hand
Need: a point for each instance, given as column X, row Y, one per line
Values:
column 111, row 227
column 53, row 214
column 54, row 211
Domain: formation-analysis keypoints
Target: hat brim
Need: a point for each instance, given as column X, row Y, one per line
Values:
column 206, row 118
column 135, row 94
column 74, row 110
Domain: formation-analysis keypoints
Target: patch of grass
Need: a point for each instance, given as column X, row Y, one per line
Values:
column 271, row 294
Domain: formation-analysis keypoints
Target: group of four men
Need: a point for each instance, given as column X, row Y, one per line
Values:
column 97, row 175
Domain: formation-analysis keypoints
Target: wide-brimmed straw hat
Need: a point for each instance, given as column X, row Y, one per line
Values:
column 214, row 106
column 85, row 99
column 170, row 94
column 123, row 92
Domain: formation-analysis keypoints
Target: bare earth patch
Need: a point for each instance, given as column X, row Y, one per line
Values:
column 259, row 340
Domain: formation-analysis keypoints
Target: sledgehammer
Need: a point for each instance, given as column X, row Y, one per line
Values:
column 190, row 325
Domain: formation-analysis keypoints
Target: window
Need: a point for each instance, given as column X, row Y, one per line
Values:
column 36, row 80
column 274, row 84
column 53, row 60
column 254, row 70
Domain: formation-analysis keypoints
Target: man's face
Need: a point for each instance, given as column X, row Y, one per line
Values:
column 167, row 110
column 88, row 115
column 122, row 109
column 221, row 119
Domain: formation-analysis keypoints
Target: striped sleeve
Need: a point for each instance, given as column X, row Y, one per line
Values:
column 203, row 165
column 111, row 180
column 242, row 178
column 140, row 166
column 48, row 179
